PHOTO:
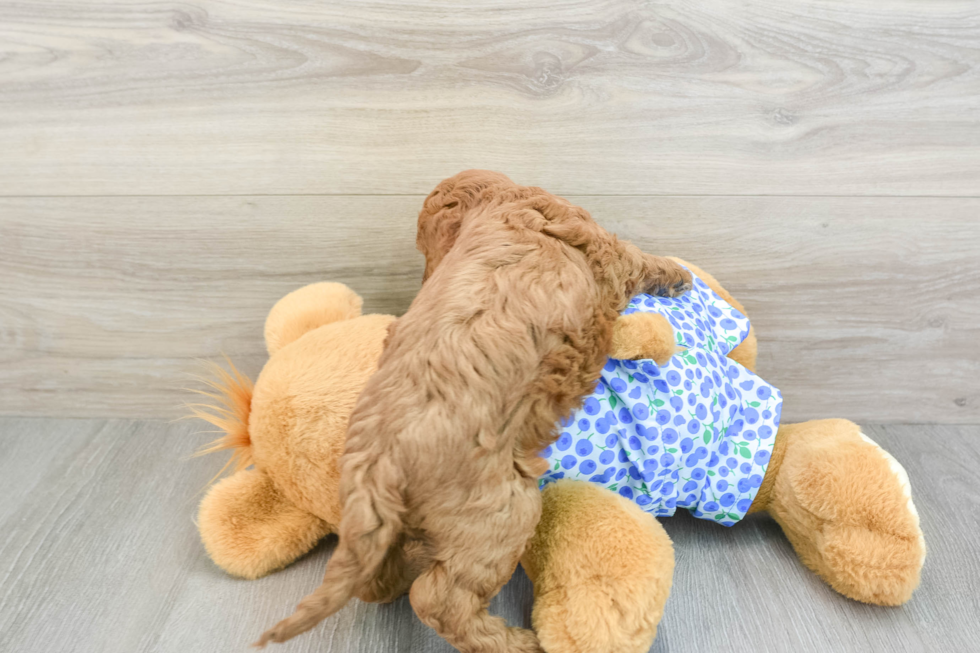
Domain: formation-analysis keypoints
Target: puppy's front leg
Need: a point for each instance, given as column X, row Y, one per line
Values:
column 664, row 277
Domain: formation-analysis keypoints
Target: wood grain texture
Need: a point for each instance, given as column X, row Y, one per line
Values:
column 98, row 552
column 866, row 308
column 609, row 97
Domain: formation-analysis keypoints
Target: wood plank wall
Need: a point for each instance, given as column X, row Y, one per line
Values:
column 168, row 170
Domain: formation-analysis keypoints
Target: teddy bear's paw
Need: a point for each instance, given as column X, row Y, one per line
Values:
column 597, row 616
column 875, row 550
column 847, row 508
column 870, row 566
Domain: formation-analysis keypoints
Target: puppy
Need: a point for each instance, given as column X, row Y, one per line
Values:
column 439, row 478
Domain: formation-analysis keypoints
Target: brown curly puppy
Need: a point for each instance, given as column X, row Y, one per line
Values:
column 439, row 476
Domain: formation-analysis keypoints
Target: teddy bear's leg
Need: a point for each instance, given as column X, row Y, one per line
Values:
column 602, row 570
column 846, row 506
column 249, row 529
column 306, row 309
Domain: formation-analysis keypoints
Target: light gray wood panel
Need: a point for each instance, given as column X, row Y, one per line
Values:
column 102, row 555
column 866, row 308
column 611, row 97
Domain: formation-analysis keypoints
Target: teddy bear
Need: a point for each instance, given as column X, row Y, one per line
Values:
column 601, row 563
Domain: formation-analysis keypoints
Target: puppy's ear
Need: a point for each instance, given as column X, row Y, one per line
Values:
column 532, row 467
column 437, row 233
column 389, row 335
column 443, row 211
column 569, row 223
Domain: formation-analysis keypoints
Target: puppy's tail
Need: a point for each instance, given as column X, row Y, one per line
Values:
column 371, row 523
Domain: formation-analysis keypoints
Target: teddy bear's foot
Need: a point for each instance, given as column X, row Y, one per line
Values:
column 846, row 506
column 249, row 529
column 602, row 570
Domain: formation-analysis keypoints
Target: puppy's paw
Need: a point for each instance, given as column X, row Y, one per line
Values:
column 676, row 290
column 668, row 278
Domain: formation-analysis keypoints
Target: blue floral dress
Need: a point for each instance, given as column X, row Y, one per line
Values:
column 696, row 433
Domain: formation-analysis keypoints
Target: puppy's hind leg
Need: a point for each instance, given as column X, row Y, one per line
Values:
column 451, row 601
column 402, row 565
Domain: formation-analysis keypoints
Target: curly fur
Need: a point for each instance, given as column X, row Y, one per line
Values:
column 510, row 330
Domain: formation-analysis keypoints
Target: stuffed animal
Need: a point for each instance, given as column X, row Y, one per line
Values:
column 601, row 564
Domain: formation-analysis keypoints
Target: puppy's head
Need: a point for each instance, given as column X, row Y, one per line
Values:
column 444, row 209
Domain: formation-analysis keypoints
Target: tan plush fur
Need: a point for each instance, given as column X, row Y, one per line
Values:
column 834, row 494
column 837, row 501
column 643, row 335
column 293, row 427
column 509, row 332
column 250, row 528
column 305, row 309
column 602, row 570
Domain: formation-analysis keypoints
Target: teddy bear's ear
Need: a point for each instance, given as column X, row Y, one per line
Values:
column 250, row 529
column 306, row 309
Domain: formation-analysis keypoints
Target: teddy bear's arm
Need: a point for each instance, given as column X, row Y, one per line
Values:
column 643, row 335
column 649, row 335
column 250, row 529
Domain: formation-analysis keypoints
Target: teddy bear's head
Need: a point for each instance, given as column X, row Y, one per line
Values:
column 288, row 431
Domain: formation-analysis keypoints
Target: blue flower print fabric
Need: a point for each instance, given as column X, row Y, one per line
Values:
column 696, row 433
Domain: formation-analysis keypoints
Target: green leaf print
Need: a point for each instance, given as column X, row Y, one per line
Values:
column 754, row 404
column 658, row 402
column 612, row 401
column 710, row 473
column 731, row 516
column 719, row 517
column 670, row 450
column 707, row 436
column 744, row 452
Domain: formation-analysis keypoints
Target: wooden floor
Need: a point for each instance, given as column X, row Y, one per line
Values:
column 99, row 552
